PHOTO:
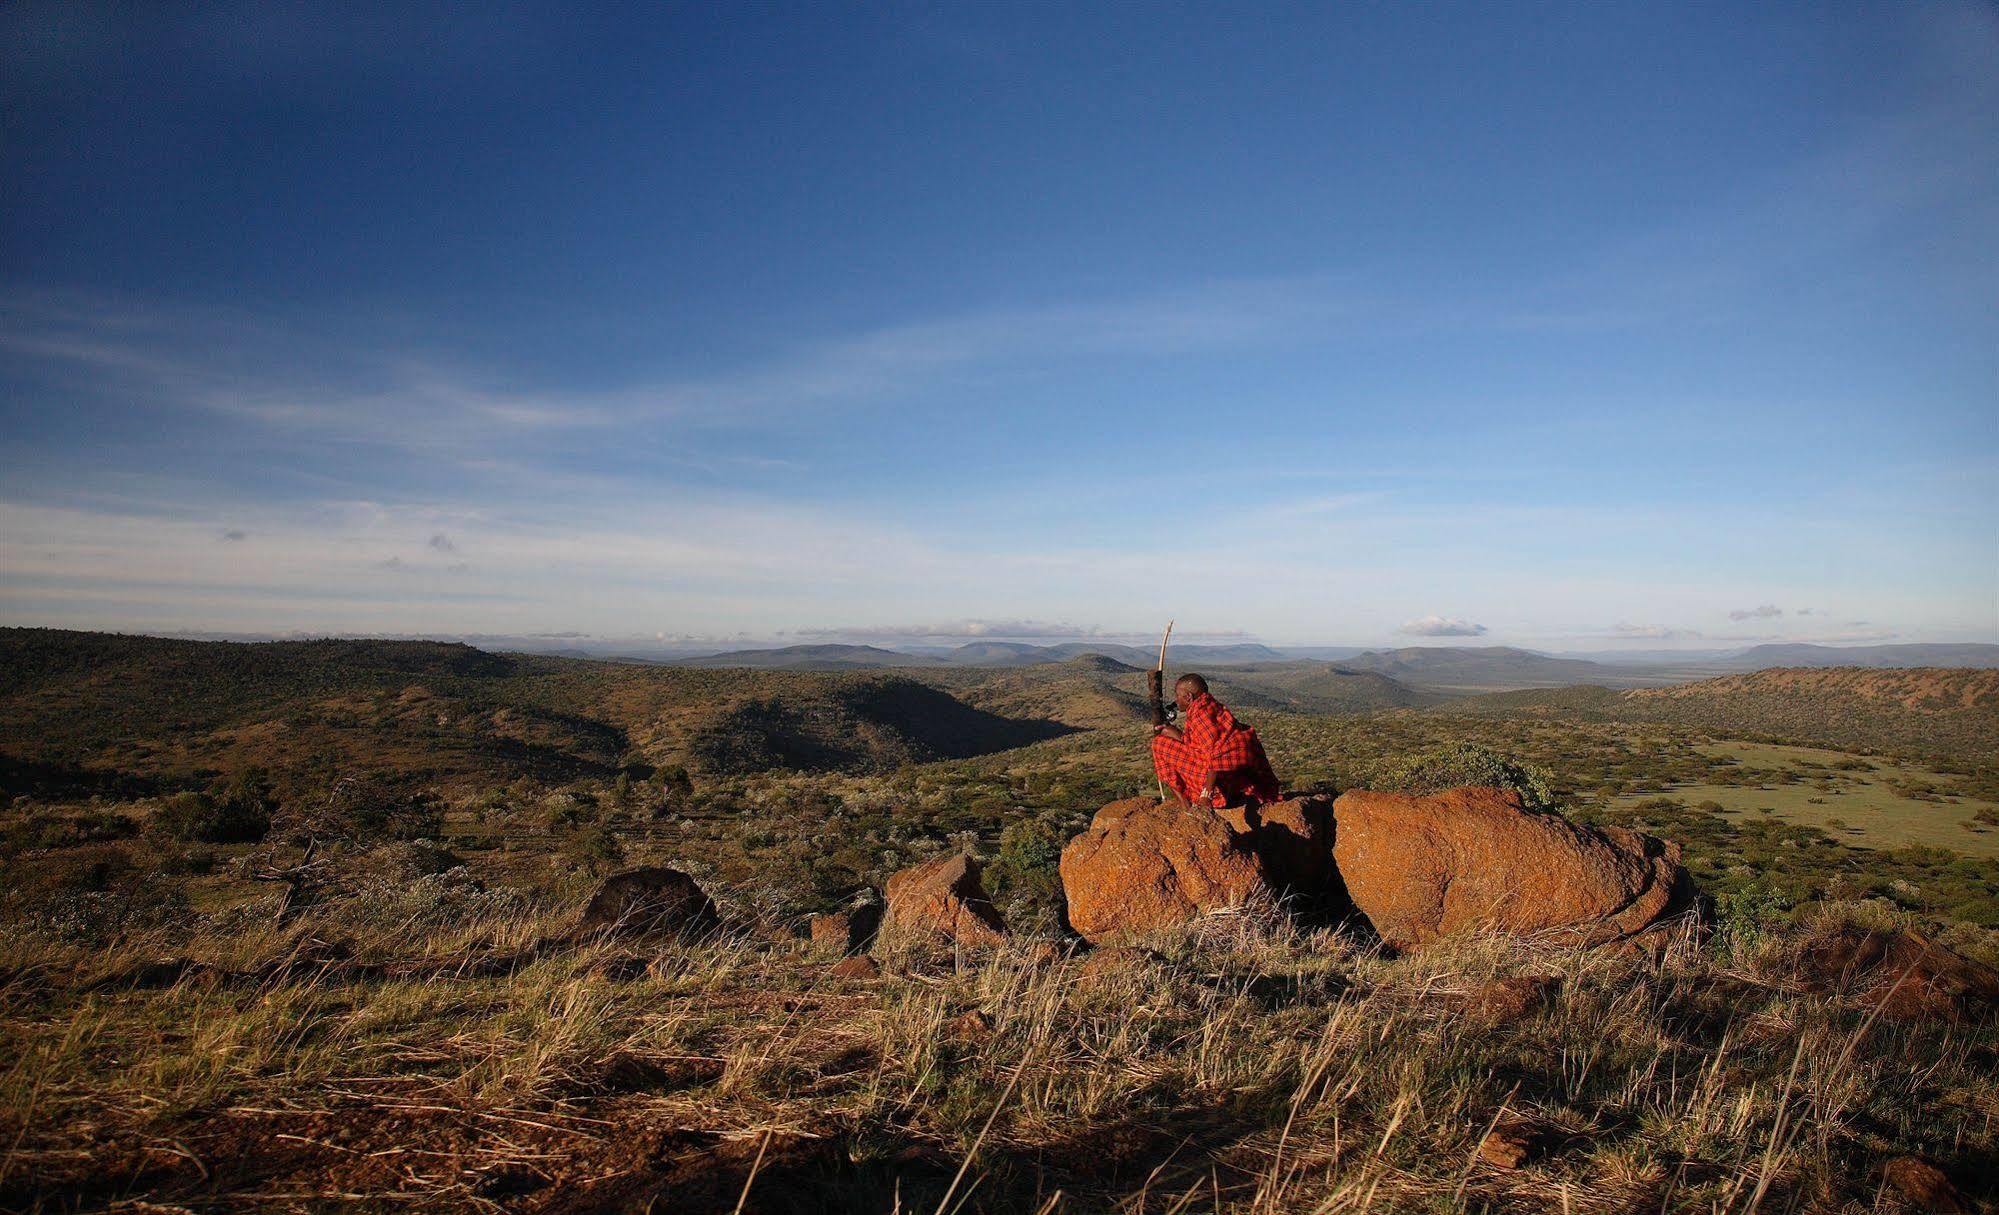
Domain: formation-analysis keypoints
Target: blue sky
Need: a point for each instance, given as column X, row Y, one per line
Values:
column 1565, row 326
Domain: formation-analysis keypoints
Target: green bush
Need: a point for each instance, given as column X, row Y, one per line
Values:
column 237, row 813
column 1025, row 879
column 1467, row 764
column 49, row 829
column 373, row 808
column 593, row 848
column 1749, row 912
column 1030, row 851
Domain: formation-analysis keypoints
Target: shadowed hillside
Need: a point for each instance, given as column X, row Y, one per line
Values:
column 82, row 708
column 876, row 724
column 1318, row 687
column 1093, row 691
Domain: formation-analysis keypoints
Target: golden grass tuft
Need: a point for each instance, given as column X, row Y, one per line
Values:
column 1252, row 1069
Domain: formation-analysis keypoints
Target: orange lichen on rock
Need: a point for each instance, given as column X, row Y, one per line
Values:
column 1475, row 859
column 1144, row 865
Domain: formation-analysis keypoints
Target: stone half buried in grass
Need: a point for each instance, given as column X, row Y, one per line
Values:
column 941, row 899
column 1143, row 866
column 1509, row 1000
column 1511, row 1143
column 1901, row 974
column 1922, row 1185
column 1421, row 868
column 859, row 966
column 846, row 932
column 654, row 901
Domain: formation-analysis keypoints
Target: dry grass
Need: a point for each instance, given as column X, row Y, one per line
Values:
column 1245, row 1068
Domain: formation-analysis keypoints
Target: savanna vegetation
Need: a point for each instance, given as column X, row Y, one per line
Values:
column 282, row 932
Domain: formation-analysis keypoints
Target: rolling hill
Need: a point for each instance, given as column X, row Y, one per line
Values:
column 78, row 708
column 978, row 654
column 1093, row 691
column 1944, row 712
column 813, row 658
column 1483, row 668
column 1763, row 657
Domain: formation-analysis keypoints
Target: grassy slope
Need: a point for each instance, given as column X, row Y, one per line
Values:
column 1251, row 1071
column 1946, row 713
column 1887, row 805
column 1246, row 1071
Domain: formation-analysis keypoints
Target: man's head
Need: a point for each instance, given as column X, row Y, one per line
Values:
column 1186, row 688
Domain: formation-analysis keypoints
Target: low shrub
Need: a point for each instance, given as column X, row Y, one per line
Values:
column 1467, row 764
column 236, row 815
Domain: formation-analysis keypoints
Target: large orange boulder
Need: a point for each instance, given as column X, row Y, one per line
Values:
column 941, row 898
column 1473, row 859
column 1144, row 865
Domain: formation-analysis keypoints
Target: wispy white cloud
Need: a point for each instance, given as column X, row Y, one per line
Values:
column 260, row 373
column 1442, row 626
column 1764, row 611
column 1652, row 632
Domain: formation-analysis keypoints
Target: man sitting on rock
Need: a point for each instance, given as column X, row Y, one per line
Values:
column 1212, row 759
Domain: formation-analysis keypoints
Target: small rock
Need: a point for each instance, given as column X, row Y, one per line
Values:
column 846, row 932
column 648, row 902
column 859, row 966
column 969, row 1026
column 1508, row 1145
column 942, row 898
column 1515, row 998
column 1923, row 1184
column 1903, row 974
column 1117, row 959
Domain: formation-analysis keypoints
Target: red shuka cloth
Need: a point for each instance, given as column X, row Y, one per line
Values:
column 1216, row 751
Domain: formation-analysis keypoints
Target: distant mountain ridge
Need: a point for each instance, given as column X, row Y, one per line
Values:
column 811, row 658
column 1483, row 668
column 834, row 656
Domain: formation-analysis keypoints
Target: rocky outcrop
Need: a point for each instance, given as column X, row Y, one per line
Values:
column 648, row 902
column 845, row 932
column 1144, row 865
column 1474, row 859
column 1902, row 974
column 1294, row 839
column 941, row 899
